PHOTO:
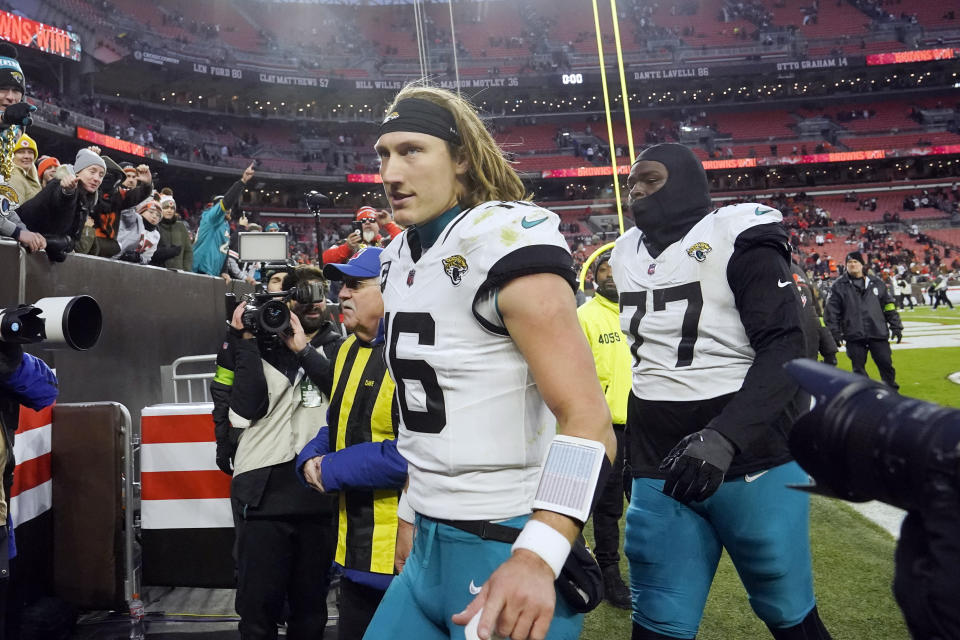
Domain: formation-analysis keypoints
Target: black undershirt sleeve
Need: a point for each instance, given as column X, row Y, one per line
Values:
column 771, row 315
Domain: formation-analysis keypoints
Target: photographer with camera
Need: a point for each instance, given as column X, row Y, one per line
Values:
column 213, row 234
column 285, row 531
column 24, row 380
column 356, row 454
column 859, row 310
column 365, row 233
column 863, row 441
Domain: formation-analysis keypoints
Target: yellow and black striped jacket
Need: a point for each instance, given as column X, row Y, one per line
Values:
column 365, row 467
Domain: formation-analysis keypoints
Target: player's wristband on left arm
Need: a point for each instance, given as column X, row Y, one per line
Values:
column 545, row 541
column 573, row 477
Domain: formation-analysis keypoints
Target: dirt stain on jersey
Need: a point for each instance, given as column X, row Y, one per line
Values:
column 508, row 236
column 480, row 217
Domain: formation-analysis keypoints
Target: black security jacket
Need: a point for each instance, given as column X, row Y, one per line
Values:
column 861, row 314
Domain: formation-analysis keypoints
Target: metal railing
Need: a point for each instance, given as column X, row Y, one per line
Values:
column 173, row 376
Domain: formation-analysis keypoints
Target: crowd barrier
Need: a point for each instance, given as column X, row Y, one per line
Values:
column 187, row 521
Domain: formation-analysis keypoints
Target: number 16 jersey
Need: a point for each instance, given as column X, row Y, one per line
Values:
column 474, row 428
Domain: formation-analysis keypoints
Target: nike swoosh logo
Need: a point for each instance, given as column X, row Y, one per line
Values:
column 758, row 212
column 782, row 284
column 530, row 224
column 474, row 589
column 749, row 478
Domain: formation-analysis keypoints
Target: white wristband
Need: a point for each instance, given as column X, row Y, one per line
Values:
column 545, row 541
column 404, row 511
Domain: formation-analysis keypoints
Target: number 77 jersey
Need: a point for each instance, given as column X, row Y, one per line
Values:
column 678, row 310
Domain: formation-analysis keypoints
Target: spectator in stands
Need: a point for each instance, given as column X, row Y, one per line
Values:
column 372, row 221
column 859, row 312
column 173, row 233
column 213, row 234
column 356, row 453
column 285, row 533
column 138, row 236
column 61, row 208
column 23, row 176
column 272, row 227
column 125, row 186
column 46, row 169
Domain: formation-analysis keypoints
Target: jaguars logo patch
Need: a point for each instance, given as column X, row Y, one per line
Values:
column 9, row 199
column 699, row 251
column 16, row 75
column 455, row 267
column 393, row 115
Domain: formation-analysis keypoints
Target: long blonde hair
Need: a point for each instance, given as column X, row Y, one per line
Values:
column 489, row 176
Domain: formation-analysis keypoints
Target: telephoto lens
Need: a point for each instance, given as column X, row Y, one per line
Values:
column 863, row 441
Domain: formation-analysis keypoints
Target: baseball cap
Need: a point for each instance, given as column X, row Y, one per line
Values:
column 367, row 213
column 364, row 264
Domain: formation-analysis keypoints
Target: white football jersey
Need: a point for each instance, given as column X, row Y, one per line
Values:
column 473, row 426
column 678, row 310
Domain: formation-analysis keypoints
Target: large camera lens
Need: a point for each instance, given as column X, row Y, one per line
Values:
column 863, row 441
column 274, row 316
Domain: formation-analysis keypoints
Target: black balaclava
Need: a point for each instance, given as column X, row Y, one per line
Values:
column 667, row 215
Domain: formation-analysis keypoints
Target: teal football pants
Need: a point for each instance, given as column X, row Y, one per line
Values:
column 436, row 583
column 673, row 550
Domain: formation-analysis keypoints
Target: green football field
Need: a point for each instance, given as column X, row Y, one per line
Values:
column 852, row 557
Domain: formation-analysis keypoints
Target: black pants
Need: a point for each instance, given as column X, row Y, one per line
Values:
column 880, row 351
column 904, row 297
column 358, row 603
column 609, row 509
column 282, row 561
column 940, row 297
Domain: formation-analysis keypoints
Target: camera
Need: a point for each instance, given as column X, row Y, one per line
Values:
column 316, row 201
column 357, row 225
column 863, row 441
column 267, row 315
column 73, row 322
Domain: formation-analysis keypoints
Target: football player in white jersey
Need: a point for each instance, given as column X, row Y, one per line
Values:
column 490, row 363
column 710, row 309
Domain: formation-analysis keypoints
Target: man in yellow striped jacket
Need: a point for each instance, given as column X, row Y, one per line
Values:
column 356, row 454
column 600, row 320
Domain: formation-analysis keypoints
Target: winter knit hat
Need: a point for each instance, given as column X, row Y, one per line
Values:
column 86, row 158
column 45, row 163
column 856, row 255
column 11, row 75
column 26, row 142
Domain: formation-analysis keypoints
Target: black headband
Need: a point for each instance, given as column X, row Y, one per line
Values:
column 421, row 116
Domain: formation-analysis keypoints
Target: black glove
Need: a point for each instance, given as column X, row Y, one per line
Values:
column 897, row 333
column 19, row 113
column 696, row 466
column 225, row 457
